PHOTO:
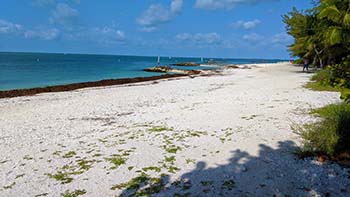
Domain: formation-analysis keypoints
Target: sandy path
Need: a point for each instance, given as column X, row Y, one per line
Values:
column 208, row 136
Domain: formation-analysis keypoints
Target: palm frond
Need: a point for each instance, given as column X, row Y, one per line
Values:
column 330, row 12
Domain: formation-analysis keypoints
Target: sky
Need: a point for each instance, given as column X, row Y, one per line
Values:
column 187, row 28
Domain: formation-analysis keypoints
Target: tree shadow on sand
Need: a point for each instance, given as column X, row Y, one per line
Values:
column 273, row 172
column 312, row 70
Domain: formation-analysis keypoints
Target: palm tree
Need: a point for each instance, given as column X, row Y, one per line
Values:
column 335, row 15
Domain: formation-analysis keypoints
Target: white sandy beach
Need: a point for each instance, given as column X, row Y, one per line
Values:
column 227, row 134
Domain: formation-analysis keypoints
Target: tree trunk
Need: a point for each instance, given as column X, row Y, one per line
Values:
column 318, row 54
column 321, row 63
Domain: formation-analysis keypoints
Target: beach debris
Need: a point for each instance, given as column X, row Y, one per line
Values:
column 228, row 184
column 77, row 192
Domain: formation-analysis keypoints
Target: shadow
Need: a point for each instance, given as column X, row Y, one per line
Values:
column 272, row 172
column 311, row 70
column 307, row 72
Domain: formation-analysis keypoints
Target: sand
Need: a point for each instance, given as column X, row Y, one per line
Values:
column 227, row 134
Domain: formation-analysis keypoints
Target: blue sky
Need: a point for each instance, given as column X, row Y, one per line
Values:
column 209, row 28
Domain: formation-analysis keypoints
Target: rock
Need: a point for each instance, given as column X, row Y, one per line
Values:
column 192, row 72
column 245, row 67
column 186, row 64
column 168, row 69
column 161, row 69
column 232, row 66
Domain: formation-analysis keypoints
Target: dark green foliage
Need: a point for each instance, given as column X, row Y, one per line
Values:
column 330, row 135
column 322, row 76
column 321, row 34
column 333, row 78
column 320, row 81
column 345, row 95
column 340, row 73
column 298, row 61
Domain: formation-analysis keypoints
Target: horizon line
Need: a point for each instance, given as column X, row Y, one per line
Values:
column 130, row 55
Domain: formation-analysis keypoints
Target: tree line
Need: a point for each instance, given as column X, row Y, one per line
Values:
column 322, row 35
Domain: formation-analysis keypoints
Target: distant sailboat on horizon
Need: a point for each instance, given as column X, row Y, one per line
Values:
column 158, row 61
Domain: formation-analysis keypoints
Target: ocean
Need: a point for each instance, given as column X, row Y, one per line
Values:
column 30, row 70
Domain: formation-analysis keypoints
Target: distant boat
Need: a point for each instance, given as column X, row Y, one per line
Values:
column 158, row 61
column 38, row 60
column 202, row 60
column 170, row 58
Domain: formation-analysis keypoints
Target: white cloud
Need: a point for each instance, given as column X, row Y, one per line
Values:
column 109, row 33
column 184, row 36
column 7, row 27
column 200, row 38
column 176, row 6
column 157, row 14
column 224, row 4
column 209, row 41
column 275, row 40
column 281, row 38
column 120, row 35
column 253, row 37
column 64, row 15
column 247, row 24
column 106, row 35
column 43, row 34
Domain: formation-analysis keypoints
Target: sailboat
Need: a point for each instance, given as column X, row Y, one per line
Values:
column 158, row 61
column 202, row 60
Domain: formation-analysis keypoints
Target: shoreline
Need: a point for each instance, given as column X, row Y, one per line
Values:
column 110, row 82
column 90, row 84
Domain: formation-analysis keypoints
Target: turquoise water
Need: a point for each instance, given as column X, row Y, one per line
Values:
column 29, row 70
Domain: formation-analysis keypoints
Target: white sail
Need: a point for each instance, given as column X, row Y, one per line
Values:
column 158, row 62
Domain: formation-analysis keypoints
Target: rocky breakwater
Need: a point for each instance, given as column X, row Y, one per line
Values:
column 234, row 66
column 168, row 69
column 186, row 64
